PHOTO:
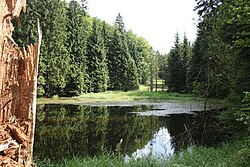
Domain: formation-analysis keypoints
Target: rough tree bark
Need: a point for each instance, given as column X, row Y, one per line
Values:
column 18, row 78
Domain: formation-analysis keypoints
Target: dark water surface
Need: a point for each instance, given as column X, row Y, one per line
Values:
column 63, row 131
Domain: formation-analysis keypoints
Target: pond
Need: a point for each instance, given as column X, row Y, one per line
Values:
column 133, row 130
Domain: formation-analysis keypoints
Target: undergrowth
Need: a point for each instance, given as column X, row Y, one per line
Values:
column 236, row 153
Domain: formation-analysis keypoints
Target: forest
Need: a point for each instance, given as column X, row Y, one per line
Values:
column 81, row 54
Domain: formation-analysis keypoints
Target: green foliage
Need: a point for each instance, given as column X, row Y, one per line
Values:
column 122, row 69
column 54, row 54
column 131, row 82
column 40, row 89
column 97, row 62
column 236, row 23
column 229, row 154
column 244, row 114
column 78, row 56
column 139, row 50
column 178, row 66
column 27, row 33
column 219, row 60
column 77, row 26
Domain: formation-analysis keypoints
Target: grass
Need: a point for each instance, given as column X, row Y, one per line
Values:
column 118, row 96
column 231, row 154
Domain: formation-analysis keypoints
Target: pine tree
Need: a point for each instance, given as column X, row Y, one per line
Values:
column 175, row 81
column 119, row 23
column 185, row 54
column 139, row 54
column 54, row 54
column 197, row 65
column 132, row 82
column 120, row 60
column 97, row 62
column 77, row 79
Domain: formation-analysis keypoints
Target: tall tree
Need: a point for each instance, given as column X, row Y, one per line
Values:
column 176, row 79
column 185, row 55
column 77, row 27
column 120, row 61
column 139, row 51
column 97, row 62
column 234, row 31
column 54, row 54
column 119, row 23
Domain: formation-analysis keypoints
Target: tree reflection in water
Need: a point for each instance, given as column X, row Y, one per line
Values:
column 63, row 131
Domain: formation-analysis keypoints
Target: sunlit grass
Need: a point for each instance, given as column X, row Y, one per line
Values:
column 118, row 96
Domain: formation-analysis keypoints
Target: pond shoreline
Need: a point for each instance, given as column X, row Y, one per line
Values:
column 119, row 97
column 177, row 103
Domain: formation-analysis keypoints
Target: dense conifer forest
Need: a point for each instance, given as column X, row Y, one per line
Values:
column 82, row 54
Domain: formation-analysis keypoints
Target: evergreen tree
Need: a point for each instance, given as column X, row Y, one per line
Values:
column 77, row 79
column 185, row 54
column 163, row 69
column 97, row 62
column 176, row 79
column 119, row 23
column 132, row 82
column 210, row 54
column 138, row 52
column 54, row 52
column 145, row 51
column 120, row 60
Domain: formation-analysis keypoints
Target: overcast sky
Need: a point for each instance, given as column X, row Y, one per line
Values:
column 155, row 20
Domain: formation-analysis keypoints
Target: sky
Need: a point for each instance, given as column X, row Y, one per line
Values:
column 155, row 20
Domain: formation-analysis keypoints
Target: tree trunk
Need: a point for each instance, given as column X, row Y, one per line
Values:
column 151, row 77
column 18, row 80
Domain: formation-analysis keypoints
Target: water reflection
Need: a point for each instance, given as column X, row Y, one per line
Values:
column 159, row 146
column 63, row 131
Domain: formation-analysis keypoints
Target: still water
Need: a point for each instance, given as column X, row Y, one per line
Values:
column 63, row 131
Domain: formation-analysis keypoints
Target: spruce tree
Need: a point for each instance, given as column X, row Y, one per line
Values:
column 77, row 78
column 175, row 65
column 185, row 54
column 97, row 62
column 54, row 54
column 138, row 52
column 120, row 60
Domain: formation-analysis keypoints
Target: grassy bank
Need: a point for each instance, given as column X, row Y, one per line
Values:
column 232, row 154
column 119, row 96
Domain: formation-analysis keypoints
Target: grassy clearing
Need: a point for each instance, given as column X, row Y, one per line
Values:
column 232, row 154
column 118, row 96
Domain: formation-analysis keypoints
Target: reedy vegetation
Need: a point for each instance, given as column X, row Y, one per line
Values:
column 228, row 155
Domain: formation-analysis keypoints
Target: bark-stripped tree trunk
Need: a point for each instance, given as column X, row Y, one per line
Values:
column 18, row 78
